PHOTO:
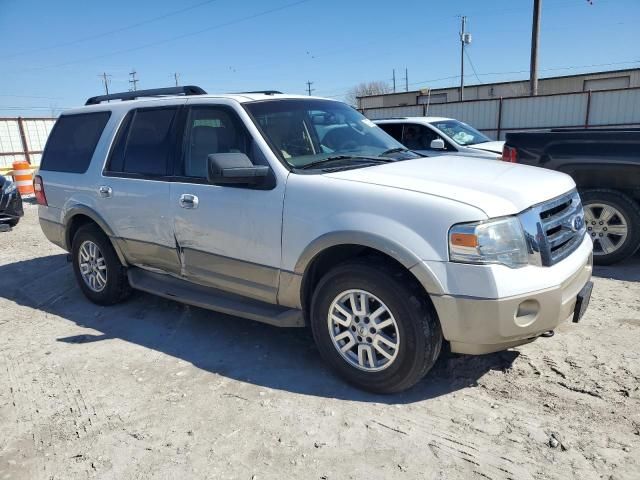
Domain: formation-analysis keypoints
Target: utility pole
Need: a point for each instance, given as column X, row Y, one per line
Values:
column 309, row 89
column 535, row 38
column 133, row 80
column 176, row 75
column 394, row 80
column 406, row 79
column 463, row 33
column 105, row 80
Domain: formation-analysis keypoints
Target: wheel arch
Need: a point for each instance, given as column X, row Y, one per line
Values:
column 332, row 249
column 79, row 215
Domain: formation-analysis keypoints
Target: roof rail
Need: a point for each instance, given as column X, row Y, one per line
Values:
column 154, row 92
column 265, row 92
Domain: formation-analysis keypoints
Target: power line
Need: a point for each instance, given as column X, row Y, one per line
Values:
column 455, row 77
column 109, row 32
column 173, row 39
column 466, row 52
column 30, row 96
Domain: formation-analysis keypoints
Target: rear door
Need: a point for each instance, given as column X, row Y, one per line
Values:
column 228, row 235
column 135, row 187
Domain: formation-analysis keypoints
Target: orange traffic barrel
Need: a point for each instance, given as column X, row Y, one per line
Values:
column 23, row 176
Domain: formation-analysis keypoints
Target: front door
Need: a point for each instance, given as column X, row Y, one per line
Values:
column 228, row 236
column 418, row 137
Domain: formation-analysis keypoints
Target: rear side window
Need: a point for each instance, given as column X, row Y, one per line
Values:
column 145, row 143
column 73, row 141
column 393, row 129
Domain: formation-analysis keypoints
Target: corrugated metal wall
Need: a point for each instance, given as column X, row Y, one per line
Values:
column 613, row 108
column 409, row 111
column 540, row 112
column 36, row 131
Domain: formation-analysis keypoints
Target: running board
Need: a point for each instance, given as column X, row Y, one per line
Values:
column 179, row 290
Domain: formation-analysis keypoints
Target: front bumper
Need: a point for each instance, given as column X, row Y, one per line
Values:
column 475, row 325
column 10, row 206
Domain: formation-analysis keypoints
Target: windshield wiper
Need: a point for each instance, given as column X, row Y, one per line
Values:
column 394, row 150
column 345, row 157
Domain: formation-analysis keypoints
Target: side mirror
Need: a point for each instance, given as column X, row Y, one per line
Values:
column 234, row 168
column 437, row 144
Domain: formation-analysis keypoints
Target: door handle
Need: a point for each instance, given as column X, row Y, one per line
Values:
column 188, row 201
column 105, row 191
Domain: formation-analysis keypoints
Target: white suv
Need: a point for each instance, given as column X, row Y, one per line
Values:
column 298, row 211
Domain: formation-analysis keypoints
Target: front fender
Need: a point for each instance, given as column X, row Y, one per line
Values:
column 290, row 293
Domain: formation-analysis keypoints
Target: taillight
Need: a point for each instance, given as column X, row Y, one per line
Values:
column 509, row 154
column 38, row 188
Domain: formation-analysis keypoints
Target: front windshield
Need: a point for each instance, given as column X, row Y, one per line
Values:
column 304, row 131
column 461, row 133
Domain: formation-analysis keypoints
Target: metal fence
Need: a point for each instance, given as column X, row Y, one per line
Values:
column 496, row 117
column 23, row 139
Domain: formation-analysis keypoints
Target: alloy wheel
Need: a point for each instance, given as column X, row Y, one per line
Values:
column 607, row 227
column 93, row 266
column 363, row 330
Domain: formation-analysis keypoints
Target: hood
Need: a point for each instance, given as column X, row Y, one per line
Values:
column 495, row 147
column 496, row 188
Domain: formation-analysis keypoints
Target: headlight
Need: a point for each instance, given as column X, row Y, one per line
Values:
column 493, row 241
column 9, row 187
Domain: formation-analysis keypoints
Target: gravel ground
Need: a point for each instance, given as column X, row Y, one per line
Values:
column 151, row 389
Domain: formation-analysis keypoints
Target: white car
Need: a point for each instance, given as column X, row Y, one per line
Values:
column 431, row 136
column 298, row 211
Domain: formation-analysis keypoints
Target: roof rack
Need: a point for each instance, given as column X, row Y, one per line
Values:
column 154, row 92
column 265, row 92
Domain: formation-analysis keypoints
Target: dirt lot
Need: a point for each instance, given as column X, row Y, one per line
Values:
column 154, row 389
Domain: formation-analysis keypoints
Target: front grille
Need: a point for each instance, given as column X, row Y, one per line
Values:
column 554, row 229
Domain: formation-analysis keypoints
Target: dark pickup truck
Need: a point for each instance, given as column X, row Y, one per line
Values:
column 605, row 165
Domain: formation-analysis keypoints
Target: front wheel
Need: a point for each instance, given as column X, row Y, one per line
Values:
column 374, row 326
column 613, row 223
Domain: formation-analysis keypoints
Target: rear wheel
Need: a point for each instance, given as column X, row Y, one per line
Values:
column 98, row 271
column 613, row 223
column 374, row 326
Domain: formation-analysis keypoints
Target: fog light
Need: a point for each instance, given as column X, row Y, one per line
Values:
column 527, row 313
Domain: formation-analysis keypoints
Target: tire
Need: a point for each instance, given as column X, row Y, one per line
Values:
column 115, row 287
column 416, row 326
column 13, row 223
column 627, row 213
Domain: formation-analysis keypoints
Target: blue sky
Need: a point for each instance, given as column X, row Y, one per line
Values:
column 51, row 52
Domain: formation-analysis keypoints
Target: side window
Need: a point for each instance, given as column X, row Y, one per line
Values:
column 73, row 141
column 145, row 143
column 212, row 130
column 418, row 137
column 393, row 129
